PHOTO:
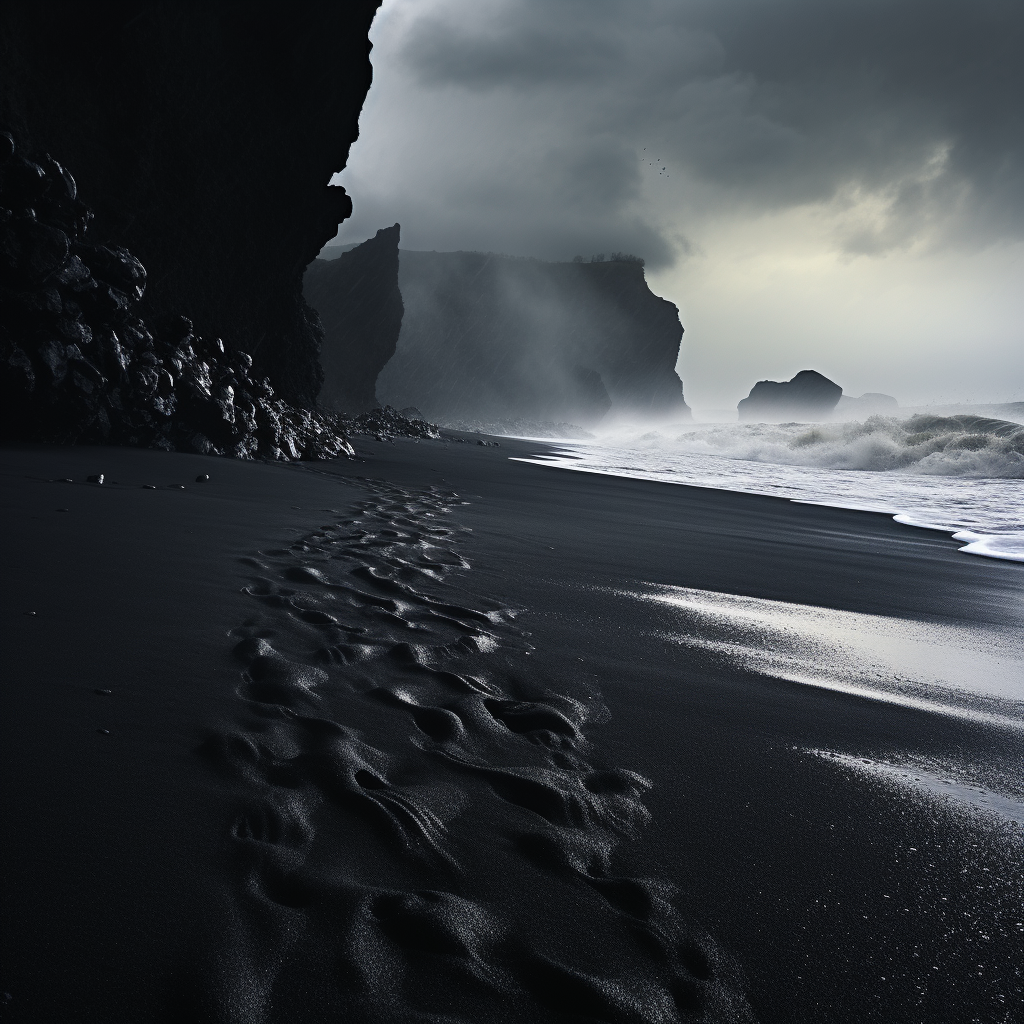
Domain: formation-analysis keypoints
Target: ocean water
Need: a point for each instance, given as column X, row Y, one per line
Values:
column 973, row 673
column 970, row 672
column 960, row 474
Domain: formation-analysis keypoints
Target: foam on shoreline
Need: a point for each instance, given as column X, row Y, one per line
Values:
column 960, row 477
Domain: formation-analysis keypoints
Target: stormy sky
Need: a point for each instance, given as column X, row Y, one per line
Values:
column 826, row 184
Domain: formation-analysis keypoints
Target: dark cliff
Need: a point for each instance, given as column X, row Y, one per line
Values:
column 360, row 306
column 487, row 337
column 204, row 137
column 78, row 364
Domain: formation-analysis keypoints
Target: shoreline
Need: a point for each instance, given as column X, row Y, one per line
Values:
column 794, row 867
column 993, row 541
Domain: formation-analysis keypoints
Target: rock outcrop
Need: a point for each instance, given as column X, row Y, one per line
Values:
column 488, row 337
column 77, row 363
column 205, row 137
column 386, row 423
column 360, row 306
column 808, row 396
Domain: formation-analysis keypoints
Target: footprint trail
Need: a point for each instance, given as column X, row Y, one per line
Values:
column 424, row 833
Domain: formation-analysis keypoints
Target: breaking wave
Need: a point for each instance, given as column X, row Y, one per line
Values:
column 964, row 446
column 961, row 474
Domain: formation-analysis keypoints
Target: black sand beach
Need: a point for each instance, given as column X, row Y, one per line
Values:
column 376, row 737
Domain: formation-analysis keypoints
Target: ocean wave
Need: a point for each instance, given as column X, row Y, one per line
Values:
column 961, row 446
column 960, row 474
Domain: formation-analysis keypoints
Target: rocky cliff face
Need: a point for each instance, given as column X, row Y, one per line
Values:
column 204, row 137
column 360, row 305
column 808, row 396
column 77, row 363
column 489, row 337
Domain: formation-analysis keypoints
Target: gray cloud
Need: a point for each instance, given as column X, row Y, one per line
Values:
column 519, row 54
column 816, row 183
column 760, row 105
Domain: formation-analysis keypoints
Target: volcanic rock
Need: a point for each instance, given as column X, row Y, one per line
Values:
column 808, row 396
column 360, row 306
column 78, row 363
column 386, row 423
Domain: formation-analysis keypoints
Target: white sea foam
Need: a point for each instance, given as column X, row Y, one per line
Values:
column 961, row 474
column 957, row 446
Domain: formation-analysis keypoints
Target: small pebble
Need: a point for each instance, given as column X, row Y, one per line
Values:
column 31, row 613
column 149, row 487
column 202, row 478
column 66, row 480
column 96, row 478
column 177, row 487
column 102, row 693
column 103, row 732
column 63, row 510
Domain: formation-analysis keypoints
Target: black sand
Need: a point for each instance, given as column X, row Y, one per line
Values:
column 412, row 806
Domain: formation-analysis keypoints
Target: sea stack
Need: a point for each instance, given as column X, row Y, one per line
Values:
column 808, row 396
column 360, row 306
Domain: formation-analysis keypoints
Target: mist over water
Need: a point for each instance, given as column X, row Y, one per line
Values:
column 962, row 474
column 958, row 446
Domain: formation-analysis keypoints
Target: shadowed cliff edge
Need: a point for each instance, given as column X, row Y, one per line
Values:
column 360, row 305
column 205, row 138
column 78, row 364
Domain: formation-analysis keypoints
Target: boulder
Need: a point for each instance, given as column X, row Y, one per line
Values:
column 808, row 396
column 78, row 363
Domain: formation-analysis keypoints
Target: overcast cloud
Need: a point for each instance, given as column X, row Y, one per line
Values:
column 836, row 184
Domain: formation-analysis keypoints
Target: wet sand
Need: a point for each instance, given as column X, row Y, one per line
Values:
column 411, row 738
